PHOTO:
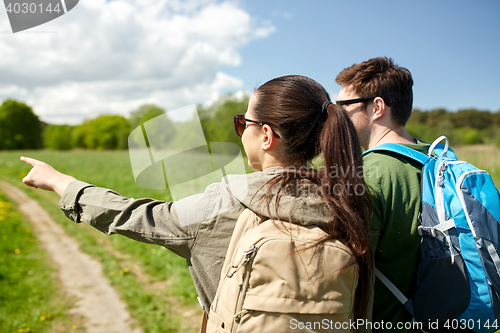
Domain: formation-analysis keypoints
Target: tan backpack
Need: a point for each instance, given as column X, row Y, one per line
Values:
column 274, row 280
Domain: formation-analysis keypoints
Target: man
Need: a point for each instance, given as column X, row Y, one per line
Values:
column 377, row 95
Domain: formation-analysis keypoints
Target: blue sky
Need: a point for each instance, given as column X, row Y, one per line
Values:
column 452, row 48
column 113, row 56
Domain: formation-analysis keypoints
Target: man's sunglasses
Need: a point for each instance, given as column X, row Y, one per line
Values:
column 240, row 124
column 356, row 100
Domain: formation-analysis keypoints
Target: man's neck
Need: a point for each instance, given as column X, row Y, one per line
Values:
column 387, row 135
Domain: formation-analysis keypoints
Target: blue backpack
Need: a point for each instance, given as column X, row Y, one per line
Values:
column 458, row 283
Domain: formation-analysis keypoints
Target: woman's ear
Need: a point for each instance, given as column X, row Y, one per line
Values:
column 268, row 138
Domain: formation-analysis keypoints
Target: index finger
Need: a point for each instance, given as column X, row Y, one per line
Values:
column 30, row 160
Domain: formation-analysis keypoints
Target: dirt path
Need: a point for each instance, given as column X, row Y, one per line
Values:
column 81, row 276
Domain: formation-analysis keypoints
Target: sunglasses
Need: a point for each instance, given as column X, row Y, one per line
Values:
column 240, row 124
column 356, row 100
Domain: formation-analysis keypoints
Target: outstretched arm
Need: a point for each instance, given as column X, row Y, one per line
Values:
column 46, row 177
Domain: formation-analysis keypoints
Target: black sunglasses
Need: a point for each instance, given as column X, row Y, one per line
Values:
column 356, row 100
column 240, row 124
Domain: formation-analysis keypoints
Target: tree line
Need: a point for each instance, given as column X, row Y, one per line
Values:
column 464, row 127
column 20, row 127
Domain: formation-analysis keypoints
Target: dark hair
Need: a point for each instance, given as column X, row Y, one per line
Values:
column 381, row 77
column 293, row 105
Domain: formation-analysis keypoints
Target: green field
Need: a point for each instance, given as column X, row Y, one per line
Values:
column 483, row 157
column 153, row 282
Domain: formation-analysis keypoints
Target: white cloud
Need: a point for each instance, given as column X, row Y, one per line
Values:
column 112, row 56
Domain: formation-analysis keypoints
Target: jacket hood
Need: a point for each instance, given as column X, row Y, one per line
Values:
column 298, row 203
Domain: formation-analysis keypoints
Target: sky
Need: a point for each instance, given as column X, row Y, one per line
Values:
column 110, row 57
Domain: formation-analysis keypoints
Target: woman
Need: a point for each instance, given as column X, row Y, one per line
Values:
column 290, row 120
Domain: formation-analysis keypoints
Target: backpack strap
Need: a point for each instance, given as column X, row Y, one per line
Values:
column 402, row 150
column 204, row 322
column 423, row 159
column 399, row 295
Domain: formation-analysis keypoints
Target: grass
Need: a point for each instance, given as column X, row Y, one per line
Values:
column 483, row 157
column 155, row 283
column 30, row 297
column 109, row 169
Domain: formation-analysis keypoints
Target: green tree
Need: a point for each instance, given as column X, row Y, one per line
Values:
column 20, row 128
column 472, row 118
column 467, row 126
column 80, row 134
column 218, row 120
column 58, row 137
column 421, row 131
column 438, row 117
column 103, row 132
column 470, row 136
column 418, row 117
column 160, row 132
column 496, row 118
column 187, row 133
column 143, row 114
column 111, row 131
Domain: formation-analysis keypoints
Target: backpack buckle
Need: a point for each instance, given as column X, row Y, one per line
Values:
column 427, row 231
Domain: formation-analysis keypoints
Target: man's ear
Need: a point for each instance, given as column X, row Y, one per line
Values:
column 269, row 140
column 380, row 109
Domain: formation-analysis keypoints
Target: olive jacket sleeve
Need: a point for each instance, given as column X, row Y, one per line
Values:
column 197, row 228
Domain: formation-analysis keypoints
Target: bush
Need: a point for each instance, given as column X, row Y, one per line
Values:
column 421, row 131
column 103, row 132
column 217, row 120
column 58, row 137
column 20, row 128
column 143, row 114
column 470, row 136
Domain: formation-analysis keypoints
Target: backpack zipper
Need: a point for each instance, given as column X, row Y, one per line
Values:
column 246, row 261
column 232, row 270
column 441, row 212
column 248, row 257
column 439, row 192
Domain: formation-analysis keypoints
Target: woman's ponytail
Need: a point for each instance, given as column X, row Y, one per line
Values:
column 344, row 188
